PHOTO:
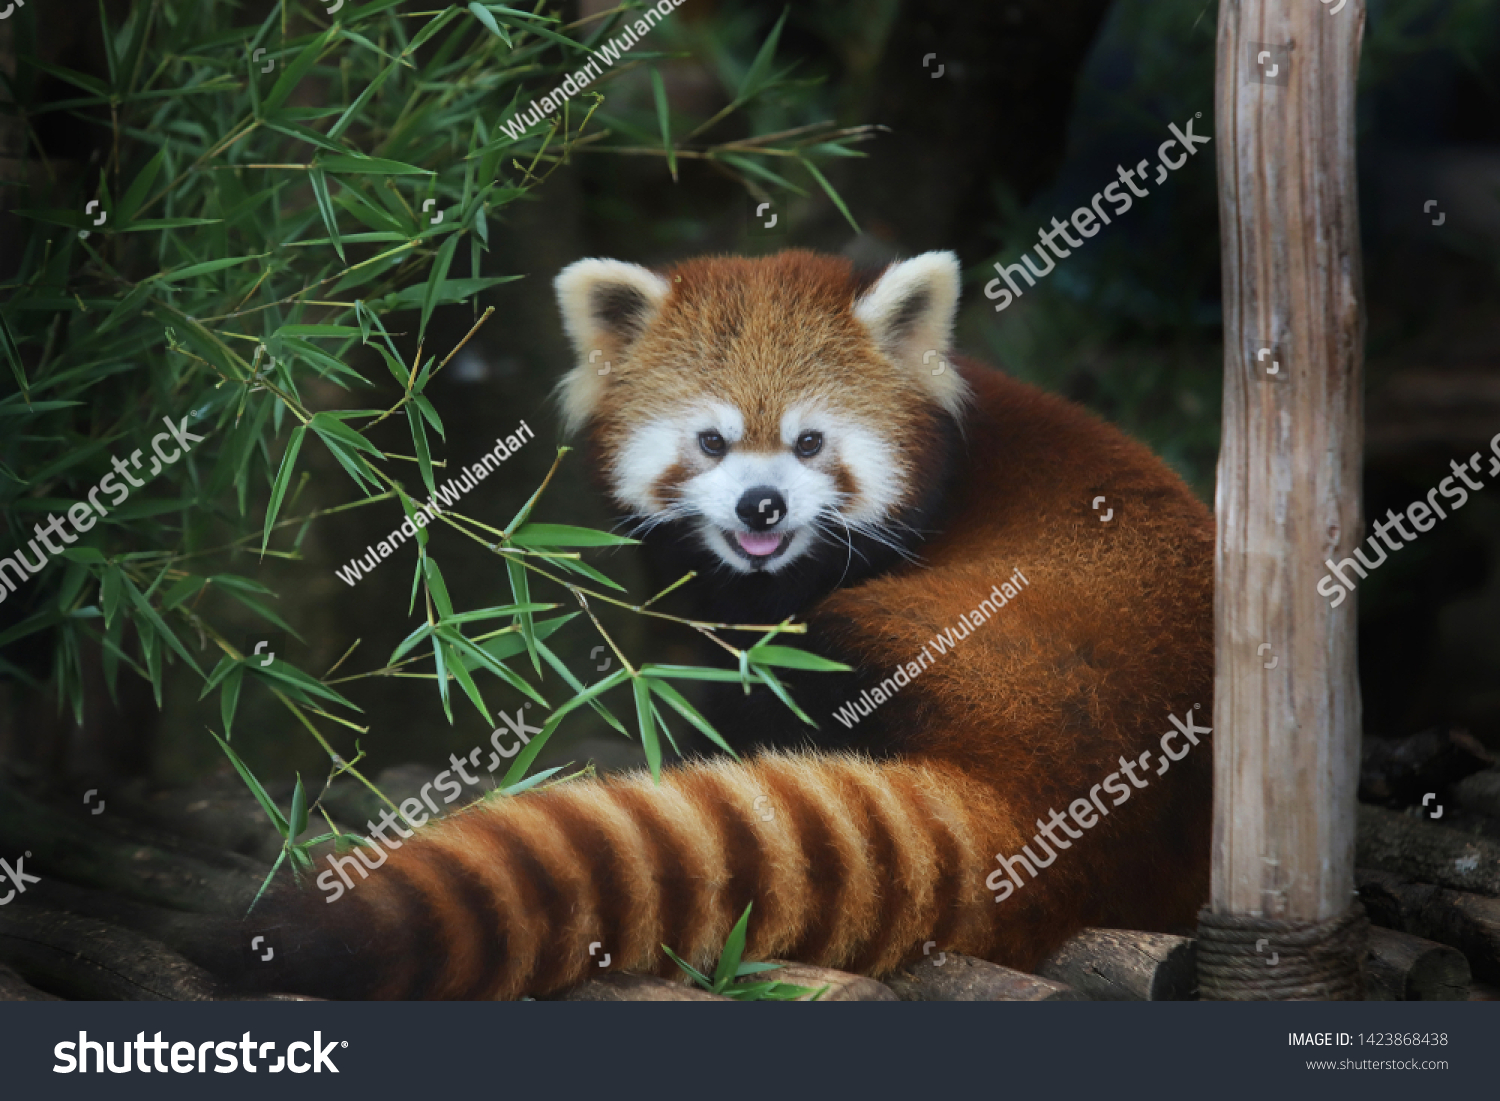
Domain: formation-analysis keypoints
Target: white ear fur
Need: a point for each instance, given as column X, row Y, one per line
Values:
column 909, row 312
column 605, row 304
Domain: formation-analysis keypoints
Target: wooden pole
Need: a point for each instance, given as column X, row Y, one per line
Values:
column 1286, row 697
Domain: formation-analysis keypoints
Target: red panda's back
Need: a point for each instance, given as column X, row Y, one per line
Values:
column 1107, row 635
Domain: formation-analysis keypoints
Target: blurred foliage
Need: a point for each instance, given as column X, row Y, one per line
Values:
column 1131, row 323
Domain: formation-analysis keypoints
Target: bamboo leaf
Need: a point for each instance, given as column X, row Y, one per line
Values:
column 664, row 120
column 794, row 659
column 325, row 208
column 647, row 721
column 279, row 486
column 566, row 535
column 265, row 801
column 435, row 280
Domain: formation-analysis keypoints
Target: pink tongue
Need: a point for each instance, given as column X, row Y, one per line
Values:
column 759, row 545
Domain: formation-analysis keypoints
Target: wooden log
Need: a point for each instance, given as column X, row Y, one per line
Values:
column 1118, row 965
column 1400, row 772
column 949, row 977
column 83, row 958
column 136, row 863
column 1286, row 695
column 1480, row 793
column 843, row 986
column 1469, row 923
column 1393, row 842
column 621, row 987
column 13, row 988
column 1404, row 968
column 211, row 941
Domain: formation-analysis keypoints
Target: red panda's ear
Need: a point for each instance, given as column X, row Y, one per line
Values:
column 909, row 312
column 605, row 305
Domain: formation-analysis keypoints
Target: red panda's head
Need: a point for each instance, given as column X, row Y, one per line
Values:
column 772, row 406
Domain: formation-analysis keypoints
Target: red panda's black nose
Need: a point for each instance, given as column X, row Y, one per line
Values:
column 761, row 508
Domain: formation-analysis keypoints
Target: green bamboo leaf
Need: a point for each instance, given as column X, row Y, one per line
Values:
column 432, row 27
column 520, row 591
column 307, row 56
column 531, row 781
column 756, row 74
column 148, row 613
column 509, row 644
column 499, row 611
column 830, row 192
column 489, row 23
column 265, row 801
column 419, row 444
column 561, row 669
column 692, row 972
column 297, row 820
column 371, row 166
column 279, row 486
column 292, row 677
column 514, row 18
column 430, row 413
column 229, row 695
column 762, row 654
column 745, row 164
column 409, row 643
column 466, row 681
column 770, row 680
column 325, row 208
column 664, row 118
column 647, row 722
column 482, row 659
column 442, row 675
column 13, row 356
column 206, row 267
column 411, row 510
column 355, row 109
column 734, row 947
column 526, row 756
column 435, row 280
column 109, row 592
column 691, row 672
column 436, row 588
column 180, row 591
column 679, row 704
column 566, row 535
column 140, row 187
column 330, row 427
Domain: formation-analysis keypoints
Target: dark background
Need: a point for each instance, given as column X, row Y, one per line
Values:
column 1037, row 101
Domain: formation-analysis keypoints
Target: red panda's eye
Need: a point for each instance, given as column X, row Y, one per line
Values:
column 809, row 444
column 712, row 443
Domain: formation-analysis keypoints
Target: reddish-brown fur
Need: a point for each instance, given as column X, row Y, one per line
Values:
column 863, row 861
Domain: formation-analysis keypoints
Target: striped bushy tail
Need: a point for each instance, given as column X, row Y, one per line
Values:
column 849, row 863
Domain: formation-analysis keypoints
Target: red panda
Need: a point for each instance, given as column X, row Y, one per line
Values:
column 806, row 439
